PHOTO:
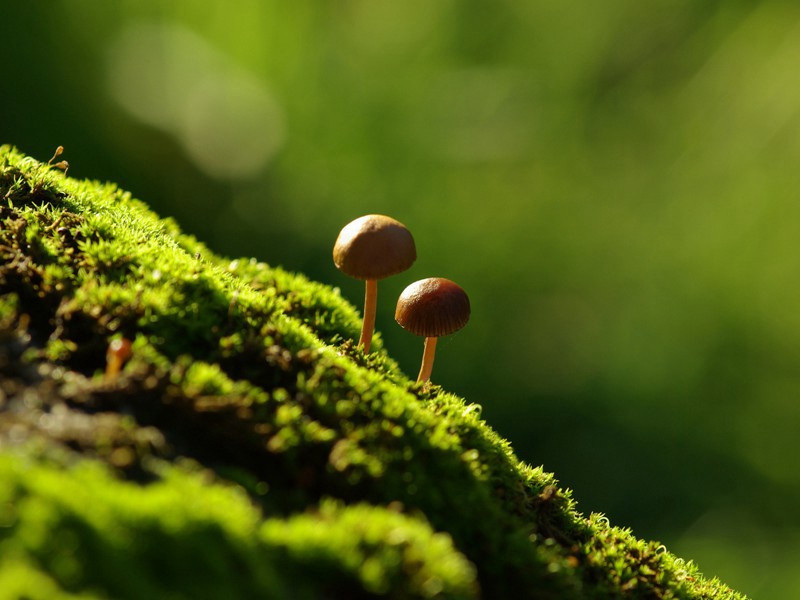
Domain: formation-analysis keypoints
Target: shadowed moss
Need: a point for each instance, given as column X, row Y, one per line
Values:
column 249, row 371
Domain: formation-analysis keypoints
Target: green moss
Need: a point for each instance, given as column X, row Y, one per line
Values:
column 333, row 471
column 83, row 533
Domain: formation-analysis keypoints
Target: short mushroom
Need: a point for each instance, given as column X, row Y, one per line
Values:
column 432, row 307
column 370, row 248
column 118, row 352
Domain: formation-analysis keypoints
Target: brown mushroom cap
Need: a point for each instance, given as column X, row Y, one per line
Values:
column 432, row 307
column 374, row 247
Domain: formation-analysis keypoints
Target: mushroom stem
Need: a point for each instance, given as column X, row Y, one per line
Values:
column 118, row 352
column 370, row 301
column 113, row 366
column 427, row 359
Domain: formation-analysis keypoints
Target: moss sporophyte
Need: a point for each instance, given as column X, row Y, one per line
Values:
column 243, row 455
column 371, row 248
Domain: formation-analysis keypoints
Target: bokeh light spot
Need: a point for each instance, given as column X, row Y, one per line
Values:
column 226, row 120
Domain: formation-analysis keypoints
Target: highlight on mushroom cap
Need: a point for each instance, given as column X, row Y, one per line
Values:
column 374, row 247
column 433, row 307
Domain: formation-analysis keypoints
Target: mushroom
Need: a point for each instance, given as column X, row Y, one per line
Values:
column 118, row 352
column 432, row 307
column 370, row 248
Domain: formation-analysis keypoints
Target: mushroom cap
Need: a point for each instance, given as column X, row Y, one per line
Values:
column 432, row 307
column 119, row 348
column 374, row 247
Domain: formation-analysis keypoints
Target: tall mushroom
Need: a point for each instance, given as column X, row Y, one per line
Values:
column 432, row 307
column 371, row 248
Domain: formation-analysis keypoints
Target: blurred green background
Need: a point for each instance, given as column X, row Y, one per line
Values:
column 616, row 184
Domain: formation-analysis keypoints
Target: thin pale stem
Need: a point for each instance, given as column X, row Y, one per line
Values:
column 427, row 359
column 370, row 302
column 113, row 366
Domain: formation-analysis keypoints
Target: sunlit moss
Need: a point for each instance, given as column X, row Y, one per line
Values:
column 333, row 473
column 82, row 533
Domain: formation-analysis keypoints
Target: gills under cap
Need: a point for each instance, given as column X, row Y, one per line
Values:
column 374, row 247
column 433, row 307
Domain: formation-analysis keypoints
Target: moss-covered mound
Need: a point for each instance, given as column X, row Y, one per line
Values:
column 247, row 449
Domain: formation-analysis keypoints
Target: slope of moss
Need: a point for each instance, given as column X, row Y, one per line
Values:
column 247, row 448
